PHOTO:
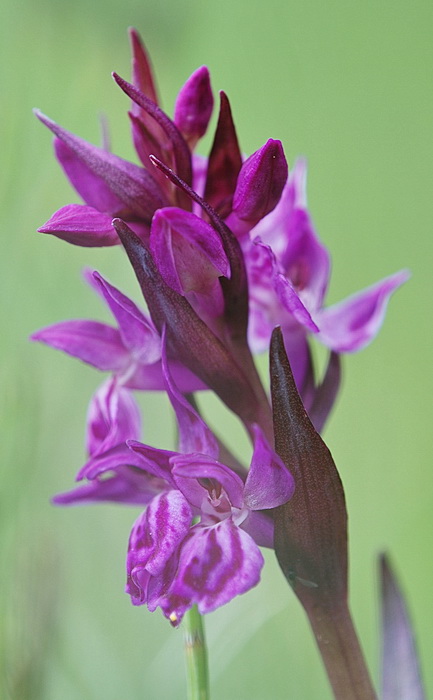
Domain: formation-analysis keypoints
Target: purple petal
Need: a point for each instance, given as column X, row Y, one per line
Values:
column 305, row 260
column 137, row 332
column 92, row 342
column 151, row 378
column 273, row 300
column 215, row 565
column 89, row 185
column 190, row 470
column 225, row 162
column 194, row 434
column 292, row 303
column 194, row 105
column 187, row 250
column 113, row 417
column 105, row 181
column 269, row 483
column 259, row 187
column 81, row 225
column 260, row 526
column 126, row 486
column 158, row 532
column 353, row 323
column 273, row 229
column 153, row 460
column 115, row 459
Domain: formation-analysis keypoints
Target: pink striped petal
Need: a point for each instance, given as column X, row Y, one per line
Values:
column 112, row 418
column 215, row 565
column 158, row 532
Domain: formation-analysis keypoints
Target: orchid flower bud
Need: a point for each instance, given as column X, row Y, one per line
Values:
column 259, row 187
column 193, row 107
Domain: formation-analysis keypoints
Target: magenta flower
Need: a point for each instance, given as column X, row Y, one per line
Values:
column 132, row 352
column 173, row 561
column 288, row 273
column 224, row 250
column 173, row 565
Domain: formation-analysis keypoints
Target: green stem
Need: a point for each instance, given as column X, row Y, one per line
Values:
column 196, row 656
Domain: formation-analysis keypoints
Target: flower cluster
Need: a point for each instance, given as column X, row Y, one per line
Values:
column 224, row 250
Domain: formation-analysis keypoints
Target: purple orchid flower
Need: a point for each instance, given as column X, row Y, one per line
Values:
column 113, row 418
column 288, row 273
column 132, row 352
column 212, row 561
column 224, row 250
column 197, row 541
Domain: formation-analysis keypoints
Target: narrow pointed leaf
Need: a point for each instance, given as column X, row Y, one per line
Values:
column 401, row 677
column 311, row 534
column 311, row 529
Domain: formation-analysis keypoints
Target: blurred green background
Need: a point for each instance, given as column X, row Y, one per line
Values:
column 348, row 84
